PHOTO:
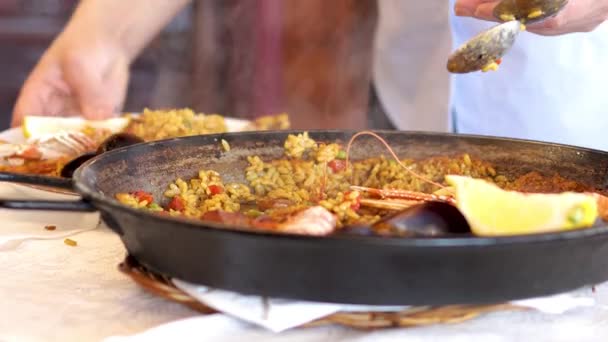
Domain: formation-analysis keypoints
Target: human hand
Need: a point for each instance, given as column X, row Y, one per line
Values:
column 75, row 76
column 86, row 70
column 577, row 16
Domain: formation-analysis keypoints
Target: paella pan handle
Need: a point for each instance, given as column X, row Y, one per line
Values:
column 80, row 206
column 55, row 182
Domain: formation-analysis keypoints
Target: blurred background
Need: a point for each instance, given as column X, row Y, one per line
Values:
column 206, row 59
column 249, row 58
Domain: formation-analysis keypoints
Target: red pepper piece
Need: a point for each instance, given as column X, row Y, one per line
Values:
column 337, row 165
column 177, row 204
column 215, row 189
column 143, row 196
column 357, row 205
column 31, row 153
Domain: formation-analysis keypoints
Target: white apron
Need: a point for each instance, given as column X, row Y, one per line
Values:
column 412, row 42
column 548, row 88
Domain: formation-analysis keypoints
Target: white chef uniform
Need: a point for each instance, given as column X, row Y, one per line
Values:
column 547, row 88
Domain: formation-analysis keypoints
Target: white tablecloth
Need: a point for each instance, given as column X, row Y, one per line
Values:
column 53, row 292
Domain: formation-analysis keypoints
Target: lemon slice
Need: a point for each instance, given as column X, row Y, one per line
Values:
column 492, row 211
column 37, row 126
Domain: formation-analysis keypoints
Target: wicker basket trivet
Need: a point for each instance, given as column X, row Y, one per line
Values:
column 420, row 316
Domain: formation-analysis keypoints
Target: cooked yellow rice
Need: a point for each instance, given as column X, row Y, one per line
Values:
column 163, row 124
column 269, row 122
column 173, row 123
column 303, row 178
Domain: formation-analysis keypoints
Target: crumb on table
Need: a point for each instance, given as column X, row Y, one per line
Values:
column 50, row 227
column 70, row 242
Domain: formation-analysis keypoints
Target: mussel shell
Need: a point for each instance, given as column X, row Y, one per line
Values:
column 430, row 219
column 483, row 49
column 68, row 169
column 520, row 9
column 112, row 142
column 357, row 230
column 118, row 140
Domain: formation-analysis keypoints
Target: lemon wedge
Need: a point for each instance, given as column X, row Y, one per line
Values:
column 492, row 211
column 37, row 126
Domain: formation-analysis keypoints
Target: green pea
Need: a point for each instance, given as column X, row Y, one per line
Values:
column 254, row 213
column 155, row 207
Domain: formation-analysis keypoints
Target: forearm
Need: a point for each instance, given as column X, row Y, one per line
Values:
column 126, row 25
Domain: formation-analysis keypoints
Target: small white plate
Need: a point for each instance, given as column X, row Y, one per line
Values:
column 15, row 136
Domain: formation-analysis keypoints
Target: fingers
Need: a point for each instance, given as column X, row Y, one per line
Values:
column 88, row 90
column 549, row 27
column 32, row 96
column 42, row 96
column 577, row 16
column 26, row 104
column 485, row 11
column 99, row 95
column 73, row 88
column 481, row 9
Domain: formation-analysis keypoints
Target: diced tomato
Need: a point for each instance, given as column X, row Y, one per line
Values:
column 237, row 219
column 215, row 189
column 143, row 196
column 357, row 205
column 498, row 61
column 31, row 153
column 177, row 204
column 276, row 203
column 337, row 165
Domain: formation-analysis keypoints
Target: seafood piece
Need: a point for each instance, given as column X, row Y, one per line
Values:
column 389, row 204
column 45, row 155
column 410, row 197
column 20, row 151
column 602, row 206
column 118, row 140
column 429, row 219
column 51, row 147
column 112, row 142
column 314, row 221
column 67, row 143
column 424, row 220
column 236, row 219
column 16, row 154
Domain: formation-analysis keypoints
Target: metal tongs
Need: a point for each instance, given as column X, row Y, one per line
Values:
column 485, row 51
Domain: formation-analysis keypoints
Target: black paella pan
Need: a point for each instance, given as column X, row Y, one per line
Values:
column 343, row 269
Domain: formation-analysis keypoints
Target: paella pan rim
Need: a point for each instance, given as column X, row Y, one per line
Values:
column 436, row 242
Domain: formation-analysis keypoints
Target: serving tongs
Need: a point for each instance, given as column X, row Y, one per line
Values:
column 484, row 52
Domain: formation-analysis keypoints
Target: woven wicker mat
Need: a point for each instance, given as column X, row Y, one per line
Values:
column 419, row 316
